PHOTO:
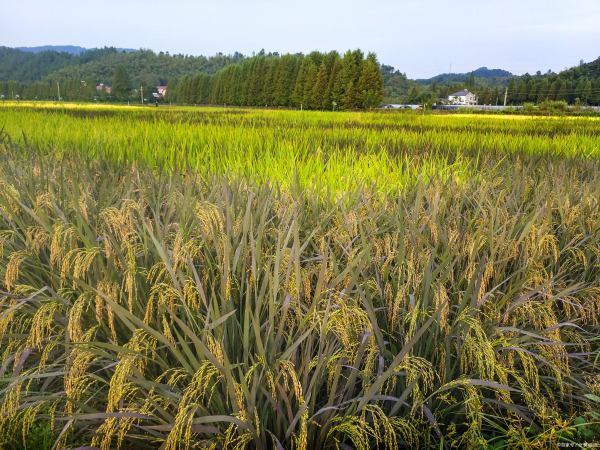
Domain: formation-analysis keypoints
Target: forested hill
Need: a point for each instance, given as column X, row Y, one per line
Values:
column 98, row 65
column 492, row 76
column 72, row 49
column 579, row 84
column 144, row 67
column 586, row 70
column 36, row 64
column 26, row 67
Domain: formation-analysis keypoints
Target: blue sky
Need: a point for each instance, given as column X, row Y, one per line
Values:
column 421, row 38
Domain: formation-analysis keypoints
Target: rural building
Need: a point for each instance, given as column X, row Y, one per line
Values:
column 104, row 88
column 161, row 90
column 463, row 97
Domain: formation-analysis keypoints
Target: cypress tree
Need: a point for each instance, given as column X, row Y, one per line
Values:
column 290, row 82
column 352, row 98
column 298, row 93
column 595, row 97
column 256, row 81
column 121, row 83
column 335, row 90
column 245, row 84
column 534, row 88
column 586, row 93
column 512, row 93
column 319, row 92
column 216, row 92
column 554, row 88
column 350, row 74
column 281, row 89
column 562, row 91
column 183, row 95
column 370, row 84
column 309, row 83
column 543, row 89
column 269, row 82
column 330, row 61
column 194, row 86
column 495, row 97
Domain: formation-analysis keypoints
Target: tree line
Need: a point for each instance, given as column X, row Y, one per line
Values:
column 322, row 81
column 522, row 89
column 535, row 89
column 325, row 81
column 578, row 85
column 315, row 81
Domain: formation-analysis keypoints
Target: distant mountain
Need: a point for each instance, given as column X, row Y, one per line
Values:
column 70, row 49
column 143, row 66
column 493, row 76
column 27, row 67
column 484, row 72
column 31, row 66
column 98, row 65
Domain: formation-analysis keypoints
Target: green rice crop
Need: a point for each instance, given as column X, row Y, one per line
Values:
column 325, row 152
column 230, row 278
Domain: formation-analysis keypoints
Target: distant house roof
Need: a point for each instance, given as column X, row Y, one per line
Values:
column 460, row 93
column 161, row 91
column 103, row 87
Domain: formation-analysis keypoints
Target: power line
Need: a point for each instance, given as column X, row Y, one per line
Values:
column 548, row 94
column 533, row 92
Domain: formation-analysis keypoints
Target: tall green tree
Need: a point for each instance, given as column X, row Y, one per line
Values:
column 285, row 79
column 121, row 83
column 562, row 93
column 319, row 92
column 298, row 93
column 335, row 89
column 309, row 83
column 471, row 81
column 370, row 83
column 586, row 92
column 350, row 74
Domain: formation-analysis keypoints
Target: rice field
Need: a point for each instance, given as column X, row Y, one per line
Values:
column 185, row 278
column 326, row 153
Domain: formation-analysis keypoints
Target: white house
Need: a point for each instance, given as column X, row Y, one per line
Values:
column 104, row 88
column 463, row 97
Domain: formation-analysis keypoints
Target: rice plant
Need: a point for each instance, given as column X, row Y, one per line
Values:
column 250, row 279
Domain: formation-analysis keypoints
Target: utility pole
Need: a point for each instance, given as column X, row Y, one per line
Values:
column 58, row 89
column 142, row 93
column 505, row 95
